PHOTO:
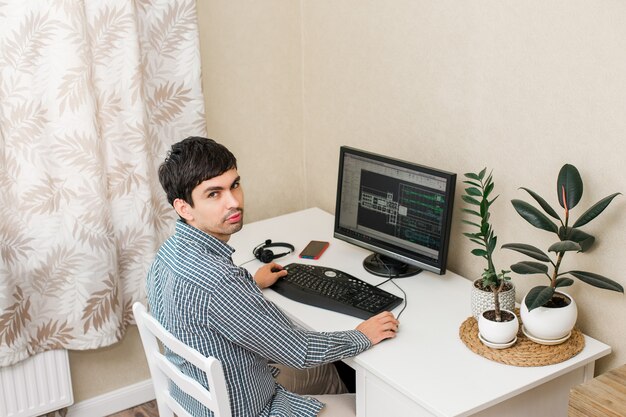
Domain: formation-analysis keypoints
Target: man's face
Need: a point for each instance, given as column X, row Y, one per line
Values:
column 217, row 206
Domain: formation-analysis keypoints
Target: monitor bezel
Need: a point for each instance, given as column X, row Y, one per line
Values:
column 384, row 248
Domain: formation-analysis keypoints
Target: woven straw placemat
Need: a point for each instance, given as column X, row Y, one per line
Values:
column 524, row 352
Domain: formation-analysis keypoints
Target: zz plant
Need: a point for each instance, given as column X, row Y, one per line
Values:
column 570, row 238
column 477, row 195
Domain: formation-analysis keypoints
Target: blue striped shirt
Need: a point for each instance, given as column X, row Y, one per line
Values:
column 214, row 306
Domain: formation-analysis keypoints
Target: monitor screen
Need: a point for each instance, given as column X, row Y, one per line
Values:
column 399, row 210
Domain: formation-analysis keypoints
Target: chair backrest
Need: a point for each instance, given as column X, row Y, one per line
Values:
column 162, row 370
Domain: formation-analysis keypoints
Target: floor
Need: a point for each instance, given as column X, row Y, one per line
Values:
column 148, row 409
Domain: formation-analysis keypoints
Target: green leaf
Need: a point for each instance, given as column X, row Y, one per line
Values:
column 478, row 242
column 594, row 210
column 474, row 183
column 470, row 223
column 484, row 209
column 598, row 281
column 564, row 246
column 538, row 296
column 481, row 174
column 489, row 189
column 585, row 240
column 544, row 205
column 489, row 278
column 474, row 212
column 489, row 179
column 494, row 199
column 534, row 216
column 473, row 191
column 528, row 250
column 564, row 282
column 529, row 268
column 569, row 180
column 503, row 275
column 479, row 252
column 472, row 176
column 470, row 200
column 472, row 235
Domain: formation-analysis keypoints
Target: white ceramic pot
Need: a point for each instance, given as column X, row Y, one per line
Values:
column 483, row 300
column 498, row 332
column 549, row 323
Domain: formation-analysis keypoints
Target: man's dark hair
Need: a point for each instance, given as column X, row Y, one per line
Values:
column 190, row 162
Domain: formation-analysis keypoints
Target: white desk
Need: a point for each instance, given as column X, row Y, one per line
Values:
column 426, row 370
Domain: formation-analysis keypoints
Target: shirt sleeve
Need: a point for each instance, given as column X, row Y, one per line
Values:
column 241, row 314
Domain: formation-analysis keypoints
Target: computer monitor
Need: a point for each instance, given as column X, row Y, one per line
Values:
column 400, row 210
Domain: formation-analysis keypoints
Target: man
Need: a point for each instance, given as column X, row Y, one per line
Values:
column 206, row 301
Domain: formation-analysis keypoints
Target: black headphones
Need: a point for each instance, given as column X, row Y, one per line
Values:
column 263, row 254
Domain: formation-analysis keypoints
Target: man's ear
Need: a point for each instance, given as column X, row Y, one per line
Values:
column 183, row 209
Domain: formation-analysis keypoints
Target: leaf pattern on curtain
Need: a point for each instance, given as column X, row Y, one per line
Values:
column 92, row 94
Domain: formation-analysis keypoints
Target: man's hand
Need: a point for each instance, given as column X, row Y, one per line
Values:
column 265, row 275
column 380, row 327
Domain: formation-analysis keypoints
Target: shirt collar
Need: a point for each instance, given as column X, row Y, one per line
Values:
column 190, row 233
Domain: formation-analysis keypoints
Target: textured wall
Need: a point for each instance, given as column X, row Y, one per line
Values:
column 251, row 59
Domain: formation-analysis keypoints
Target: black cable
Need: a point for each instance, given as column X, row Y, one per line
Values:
column 406, row 299
column 391, row 278
column 242, row 264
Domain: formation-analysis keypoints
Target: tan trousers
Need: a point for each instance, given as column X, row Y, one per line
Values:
column 322, row 382
column 338, row 405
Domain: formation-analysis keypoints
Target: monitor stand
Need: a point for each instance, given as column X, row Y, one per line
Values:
column 384, row 266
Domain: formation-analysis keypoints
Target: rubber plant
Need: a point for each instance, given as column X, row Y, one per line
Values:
column 570, row 238
column 477, row 195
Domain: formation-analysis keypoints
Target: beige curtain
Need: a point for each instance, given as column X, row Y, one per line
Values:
column 92, row 94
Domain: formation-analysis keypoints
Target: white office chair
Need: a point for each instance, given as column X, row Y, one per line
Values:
column 163, row 371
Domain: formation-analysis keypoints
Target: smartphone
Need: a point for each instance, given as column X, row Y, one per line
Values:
column 314, row 249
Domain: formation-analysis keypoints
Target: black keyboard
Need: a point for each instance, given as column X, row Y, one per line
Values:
column 334, row 290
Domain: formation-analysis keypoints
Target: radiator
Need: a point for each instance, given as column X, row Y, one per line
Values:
column 36, row 386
